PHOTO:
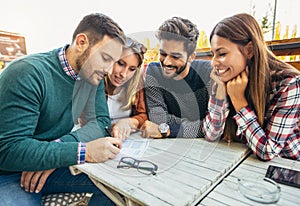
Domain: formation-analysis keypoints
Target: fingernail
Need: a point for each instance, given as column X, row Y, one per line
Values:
column 37, row 191
column 22, row 185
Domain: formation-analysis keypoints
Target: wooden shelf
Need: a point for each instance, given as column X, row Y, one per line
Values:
column 295, row 64
column 284, row 47
column 280, row 41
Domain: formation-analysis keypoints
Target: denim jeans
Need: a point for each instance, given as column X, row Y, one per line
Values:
column 60, row 181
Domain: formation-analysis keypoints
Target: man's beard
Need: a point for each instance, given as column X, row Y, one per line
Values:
column 82, row 59
column 178, row 71
column 181, row 69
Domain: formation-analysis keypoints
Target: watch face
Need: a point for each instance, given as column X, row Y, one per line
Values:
column 163, row 128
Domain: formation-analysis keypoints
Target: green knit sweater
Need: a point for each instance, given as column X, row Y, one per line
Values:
column 39, row 103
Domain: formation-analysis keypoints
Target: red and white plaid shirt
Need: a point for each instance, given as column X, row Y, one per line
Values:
column 281, row 135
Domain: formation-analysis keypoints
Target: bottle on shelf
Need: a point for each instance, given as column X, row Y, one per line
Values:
column 277, row 31
column 286, row 35
column 294, row 32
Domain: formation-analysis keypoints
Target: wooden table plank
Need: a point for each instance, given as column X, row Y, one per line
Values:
column 211, row 201
column 227, row 191
column 188, row 169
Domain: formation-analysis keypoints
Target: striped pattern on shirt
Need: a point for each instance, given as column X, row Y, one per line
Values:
column 81, row 152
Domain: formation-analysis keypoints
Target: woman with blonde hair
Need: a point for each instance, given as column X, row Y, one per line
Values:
column 125, row 91
column 255, row 97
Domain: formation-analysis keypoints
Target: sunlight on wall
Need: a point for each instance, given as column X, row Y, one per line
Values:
column 49, row 24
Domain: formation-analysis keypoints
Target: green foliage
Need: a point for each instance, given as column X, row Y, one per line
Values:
column 266, row 21
column 266, row 25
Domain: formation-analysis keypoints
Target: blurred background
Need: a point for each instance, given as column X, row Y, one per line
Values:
column 50, row 24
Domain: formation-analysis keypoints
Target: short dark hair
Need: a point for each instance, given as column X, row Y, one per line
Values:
column 180, row 29
column 96, row 26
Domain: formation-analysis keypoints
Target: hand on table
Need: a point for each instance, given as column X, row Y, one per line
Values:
column 150, row 130
column 122, row 129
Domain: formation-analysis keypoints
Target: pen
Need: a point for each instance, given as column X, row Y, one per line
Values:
column 107, row 130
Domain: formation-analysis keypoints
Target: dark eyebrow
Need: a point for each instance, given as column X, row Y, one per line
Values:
column 218, row 49
column 177, row 54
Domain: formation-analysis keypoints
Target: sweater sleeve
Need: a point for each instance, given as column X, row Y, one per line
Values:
column 94, row 111
column 22, row 147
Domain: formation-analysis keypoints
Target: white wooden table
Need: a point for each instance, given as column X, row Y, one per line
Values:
column 226, row 193
column 188, row 169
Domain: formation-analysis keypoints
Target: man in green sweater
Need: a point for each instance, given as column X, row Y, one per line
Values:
column 41, row 97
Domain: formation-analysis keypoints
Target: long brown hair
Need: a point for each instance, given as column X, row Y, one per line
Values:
column 263, row 66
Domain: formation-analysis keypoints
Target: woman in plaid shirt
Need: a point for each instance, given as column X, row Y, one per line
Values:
column 255, row 97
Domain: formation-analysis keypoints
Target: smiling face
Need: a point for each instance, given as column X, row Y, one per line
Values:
column 97, row 60
column 124, row 69
column 228, row 60
column 173, row 58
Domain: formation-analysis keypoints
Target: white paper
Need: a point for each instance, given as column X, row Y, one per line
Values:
column 133, row 148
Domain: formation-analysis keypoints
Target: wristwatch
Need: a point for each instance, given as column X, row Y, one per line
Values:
column 163, row 128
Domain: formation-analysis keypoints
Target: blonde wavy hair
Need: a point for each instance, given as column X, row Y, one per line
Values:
column 134, row 84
